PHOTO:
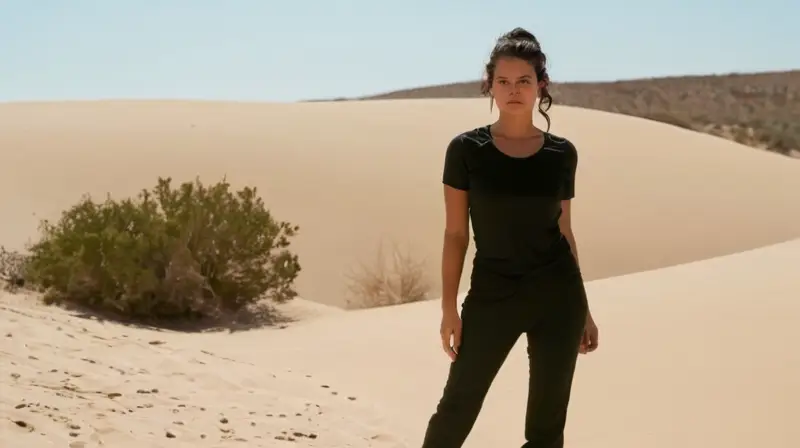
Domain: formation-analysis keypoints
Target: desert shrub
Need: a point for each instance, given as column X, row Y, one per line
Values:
column 12, row 269
column 392, row 278
column 168, row 253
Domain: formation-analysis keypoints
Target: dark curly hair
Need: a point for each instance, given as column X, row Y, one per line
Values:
column 522, row 44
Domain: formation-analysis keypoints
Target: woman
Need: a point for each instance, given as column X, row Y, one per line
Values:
column 515, row 182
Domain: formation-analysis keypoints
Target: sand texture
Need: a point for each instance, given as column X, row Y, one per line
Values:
column 690, row 245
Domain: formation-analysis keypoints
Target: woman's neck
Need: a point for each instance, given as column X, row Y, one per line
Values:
column 515, row 126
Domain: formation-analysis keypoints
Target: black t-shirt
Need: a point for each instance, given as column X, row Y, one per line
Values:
column 514, row 202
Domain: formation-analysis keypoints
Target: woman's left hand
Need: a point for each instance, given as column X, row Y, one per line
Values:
column 589, row 341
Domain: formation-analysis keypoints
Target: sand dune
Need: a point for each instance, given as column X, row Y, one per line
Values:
column 691, row 244
column 698, row 355
column 695, row 356
column 692, row 356
column 351, row 174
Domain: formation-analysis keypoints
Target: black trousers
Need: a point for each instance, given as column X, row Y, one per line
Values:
column 550, row 309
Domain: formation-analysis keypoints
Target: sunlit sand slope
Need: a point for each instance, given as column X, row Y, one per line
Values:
column 353, row 174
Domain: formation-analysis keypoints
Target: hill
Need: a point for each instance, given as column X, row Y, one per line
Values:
column 369, row 175
column 756, row 109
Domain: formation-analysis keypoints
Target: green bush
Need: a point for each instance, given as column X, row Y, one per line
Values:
column 191, row 251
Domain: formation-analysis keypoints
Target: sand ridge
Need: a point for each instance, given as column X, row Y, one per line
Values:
column 355, row 174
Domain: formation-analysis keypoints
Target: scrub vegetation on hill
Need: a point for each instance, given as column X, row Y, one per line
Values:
column 757, row 109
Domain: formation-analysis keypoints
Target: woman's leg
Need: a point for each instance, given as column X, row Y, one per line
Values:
column 489, row 332
column 553, row 345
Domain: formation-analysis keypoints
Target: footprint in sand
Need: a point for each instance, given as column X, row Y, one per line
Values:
column 24, row 425
column 299, row 434
column 385, row 438
column 333, row 392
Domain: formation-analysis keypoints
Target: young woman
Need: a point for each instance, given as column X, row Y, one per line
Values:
column 515, row 182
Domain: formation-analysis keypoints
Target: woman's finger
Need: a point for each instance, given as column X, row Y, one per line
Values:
column 584, row 342
column 595, row 340
column 446, row 333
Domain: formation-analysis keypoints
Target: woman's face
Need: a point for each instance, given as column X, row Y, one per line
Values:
column 515, row 87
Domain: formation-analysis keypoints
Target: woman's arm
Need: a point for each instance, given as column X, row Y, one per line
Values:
column 456, row 241
column 589, row 341
column 565, row 223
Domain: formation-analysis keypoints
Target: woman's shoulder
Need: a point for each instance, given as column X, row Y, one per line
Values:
column 471, row 138
column 560, row 143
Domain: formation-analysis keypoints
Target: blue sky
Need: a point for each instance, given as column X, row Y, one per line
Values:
column 256, row 50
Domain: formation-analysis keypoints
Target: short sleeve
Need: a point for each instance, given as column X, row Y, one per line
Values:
column 570, row 170
column 455, row 172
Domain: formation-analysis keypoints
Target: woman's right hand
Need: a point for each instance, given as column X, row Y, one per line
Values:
column 451, row 333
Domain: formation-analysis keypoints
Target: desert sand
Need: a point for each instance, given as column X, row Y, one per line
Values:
column 690, row 245
column 355, row 175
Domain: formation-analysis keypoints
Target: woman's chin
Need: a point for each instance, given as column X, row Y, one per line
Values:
column 515, row 107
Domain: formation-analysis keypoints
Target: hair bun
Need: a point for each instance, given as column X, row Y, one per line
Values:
column 520, row 34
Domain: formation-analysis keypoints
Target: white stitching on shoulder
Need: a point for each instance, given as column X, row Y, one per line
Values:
column 479, row 136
